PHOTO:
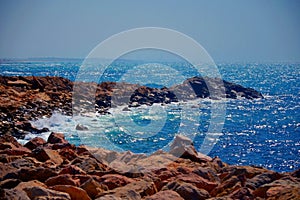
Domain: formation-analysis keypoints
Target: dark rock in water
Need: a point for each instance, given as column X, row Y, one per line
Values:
column 81, row 127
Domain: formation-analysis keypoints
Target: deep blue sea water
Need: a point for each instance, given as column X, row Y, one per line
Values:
column 263, row 132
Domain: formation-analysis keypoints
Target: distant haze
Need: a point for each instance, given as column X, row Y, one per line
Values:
column 231, row 30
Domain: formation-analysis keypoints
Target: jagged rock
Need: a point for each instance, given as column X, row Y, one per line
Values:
column 75, row 193
column 182, row 147
column 43, row 154
column 165, row 195
column 92, row 188
column 34, row 143
column 63, row 179
column 113, row 181
column 56, row 138
column 187, row 190
column 135, row 190
column 13, row 194
column 72, row 169
column 37, row 173
column 37, row 192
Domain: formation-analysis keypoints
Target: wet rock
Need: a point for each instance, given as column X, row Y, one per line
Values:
column 75, row 193
column 81, row 127
column 34, row 143
column 165, row 195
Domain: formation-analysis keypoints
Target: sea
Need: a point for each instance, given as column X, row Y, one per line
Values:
column 260, row 132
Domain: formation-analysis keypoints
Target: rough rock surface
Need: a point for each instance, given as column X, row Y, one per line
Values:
column 87, row 177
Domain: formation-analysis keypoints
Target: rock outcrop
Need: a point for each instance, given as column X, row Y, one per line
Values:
column 27, row 98
column 63, row 171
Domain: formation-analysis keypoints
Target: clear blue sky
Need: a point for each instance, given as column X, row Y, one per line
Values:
column 230, row 30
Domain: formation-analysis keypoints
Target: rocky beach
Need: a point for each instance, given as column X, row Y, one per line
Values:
column 56, row 169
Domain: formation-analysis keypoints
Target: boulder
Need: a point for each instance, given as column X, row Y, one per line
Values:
column 135, row 190
column 198, row 181
column 37, row 192
column 187, row 190
column 64, row 179
column 37, row 173
column 34, row 143
column 182, row 147
column 165, row 195
column 92, row 188
column 75, row 193
column 72, row 169
column 81, row 127
column 43, row 154
column 114, row 180
column 56, row 138
column 13, row 194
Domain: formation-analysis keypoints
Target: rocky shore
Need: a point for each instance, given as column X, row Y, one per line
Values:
column 27, row 98
column 56, row 169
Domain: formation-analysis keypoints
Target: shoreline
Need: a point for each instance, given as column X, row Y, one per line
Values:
column 27, row 98
column 57, row 169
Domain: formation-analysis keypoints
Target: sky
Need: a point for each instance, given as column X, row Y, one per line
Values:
column 230, row 30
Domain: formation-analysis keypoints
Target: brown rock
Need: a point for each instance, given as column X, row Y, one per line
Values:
column 165, row 195
column 242, row 194
column 43, row 154
column 88, row 164
column 227, row 187
column 198, row 181
column 8, row 159
column 262, row 179
column 32, row 183
column 37, row 173
column 114, row 180
column 134, row 190
column 285, row 188
column 9, row 139
column 9, row 183
column 56, row 138
column 68, row 153
column 64, row 179
column 207, row 173
column 37, row 192
column 75, row 193
column 72, row 169
column 92, row 188
column 13, row 194
column 34, row 143
column 187, row 190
